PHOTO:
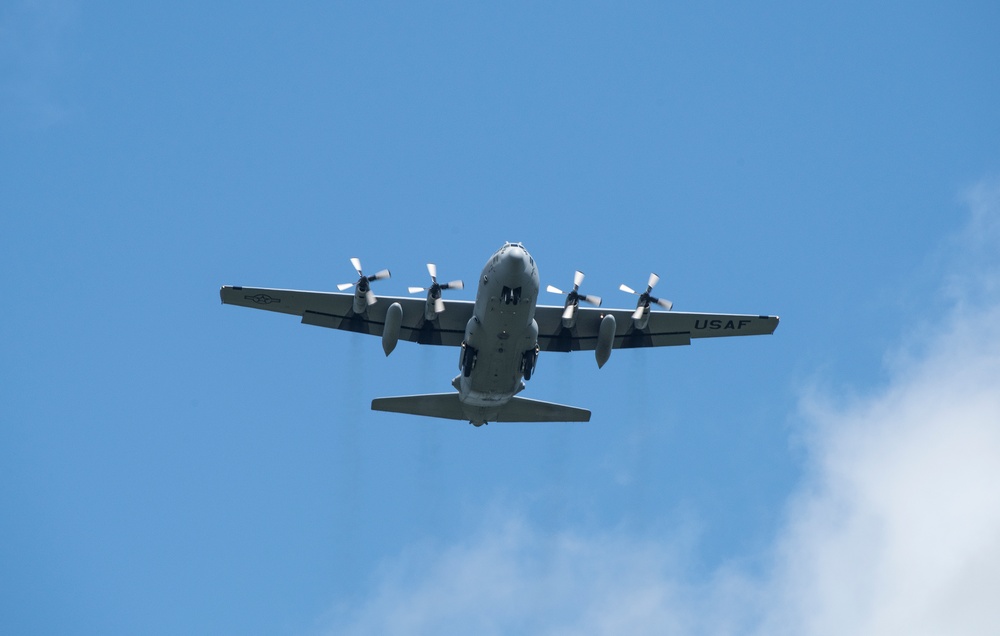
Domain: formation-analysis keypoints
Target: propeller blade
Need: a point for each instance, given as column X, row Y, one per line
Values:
column 357, row 265
column 646, row 298
column 380, row 275
column 436, row 288
column 370, row 297
column 344, row 286
column 574, row 297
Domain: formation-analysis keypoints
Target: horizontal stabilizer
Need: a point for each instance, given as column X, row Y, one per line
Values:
column 448, row 406
column 444, row 405
column 524, row 410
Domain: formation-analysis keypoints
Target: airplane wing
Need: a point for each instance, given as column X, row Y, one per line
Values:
column 665, row 328
column 336, row 311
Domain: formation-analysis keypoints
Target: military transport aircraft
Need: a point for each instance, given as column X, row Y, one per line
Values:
column 500, row 334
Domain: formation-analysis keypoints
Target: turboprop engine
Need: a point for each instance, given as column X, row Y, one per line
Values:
column 641, row 314
column 573, row 299
column 363, row 296
column 435, row 304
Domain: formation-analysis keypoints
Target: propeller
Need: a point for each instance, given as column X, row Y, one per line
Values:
column 363, row 281
column 574, row 297
column 645, row 298
column 436, row 288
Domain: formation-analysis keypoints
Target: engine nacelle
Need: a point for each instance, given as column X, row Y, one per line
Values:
column 390, row 333
column 570, row 322
column 433, row 305
column 362, row 290
column 643, row 319
column 605, row 339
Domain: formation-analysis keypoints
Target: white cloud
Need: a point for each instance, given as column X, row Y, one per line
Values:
column 510, row 578
column 895, row 530
column 898, row 530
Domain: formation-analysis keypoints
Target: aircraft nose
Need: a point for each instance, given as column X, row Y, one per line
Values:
column 517, row 260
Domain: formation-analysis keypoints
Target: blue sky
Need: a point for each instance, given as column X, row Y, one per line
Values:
column 170, row 465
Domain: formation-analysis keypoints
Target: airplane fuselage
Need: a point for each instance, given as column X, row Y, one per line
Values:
column 501, row 338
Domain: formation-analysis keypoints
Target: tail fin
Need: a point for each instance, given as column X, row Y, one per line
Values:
column 448, row 406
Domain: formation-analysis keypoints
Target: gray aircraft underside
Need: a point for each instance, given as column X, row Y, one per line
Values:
column 499, row 335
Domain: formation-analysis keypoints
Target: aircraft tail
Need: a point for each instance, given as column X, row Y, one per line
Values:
column 448, row 406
